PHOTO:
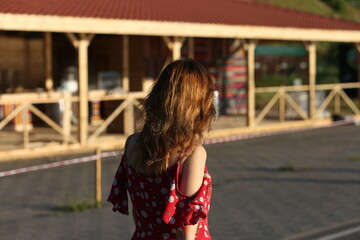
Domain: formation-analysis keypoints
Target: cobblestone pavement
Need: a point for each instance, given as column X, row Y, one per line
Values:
column 285, row 186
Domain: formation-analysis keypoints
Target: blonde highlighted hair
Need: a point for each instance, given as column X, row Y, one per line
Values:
column 177, row 112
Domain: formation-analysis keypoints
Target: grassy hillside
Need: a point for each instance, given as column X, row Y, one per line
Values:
column 345, row 9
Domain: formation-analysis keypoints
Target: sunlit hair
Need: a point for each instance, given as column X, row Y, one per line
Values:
column 177, row 112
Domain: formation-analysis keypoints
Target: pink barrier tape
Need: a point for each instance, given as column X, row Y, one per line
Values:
column 56, row 164
column 206, row 142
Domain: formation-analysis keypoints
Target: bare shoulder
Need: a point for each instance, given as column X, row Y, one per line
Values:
column 193, row 171
column 198, row 156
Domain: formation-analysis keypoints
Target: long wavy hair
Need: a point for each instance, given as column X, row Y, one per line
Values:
column 178, row 111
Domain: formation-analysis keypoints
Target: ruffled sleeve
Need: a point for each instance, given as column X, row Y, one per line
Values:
column 182, row 210
column 118, row 193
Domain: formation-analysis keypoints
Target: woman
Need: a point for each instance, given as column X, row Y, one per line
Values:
column 163, row 166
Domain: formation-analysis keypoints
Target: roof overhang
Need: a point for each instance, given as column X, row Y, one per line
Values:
column 46, row 23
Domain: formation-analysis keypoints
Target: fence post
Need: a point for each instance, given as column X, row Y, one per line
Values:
column 357, row 46
column 25, row 126
column 250, row 47
column 125, row 63
column 337, row 104
column 311, row 48
column 98, row 178
column 83, row 89
column 67, row 117
column 129, row 127
column 282, row 105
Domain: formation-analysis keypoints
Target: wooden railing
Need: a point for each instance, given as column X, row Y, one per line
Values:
column 127, row 104
column 25, row 103
column 336, row 93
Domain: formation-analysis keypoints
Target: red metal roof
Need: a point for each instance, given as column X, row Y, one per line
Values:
column 230, row 12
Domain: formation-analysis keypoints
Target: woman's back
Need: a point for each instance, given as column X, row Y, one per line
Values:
column 159, row 207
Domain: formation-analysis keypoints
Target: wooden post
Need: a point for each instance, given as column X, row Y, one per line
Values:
column 83, row 44
column 128, row 115
column 357, row 45
column 337, row 102
column 25, row 127
column 98, row 178
column 176, row 48
column 67, row 117
column 129, row 118
column 311, row 47
column 191, row 47
column 49, row 82
column 250, row 47
column 282, row 106
column 125, row 63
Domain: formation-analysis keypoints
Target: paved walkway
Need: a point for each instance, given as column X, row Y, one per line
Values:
column 252, row 200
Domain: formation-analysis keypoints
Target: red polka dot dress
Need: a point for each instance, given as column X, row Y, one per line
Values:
column 159, row 205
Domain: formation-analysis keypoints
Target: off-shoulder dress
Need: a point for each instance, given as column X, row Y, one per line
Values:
column 159, row 205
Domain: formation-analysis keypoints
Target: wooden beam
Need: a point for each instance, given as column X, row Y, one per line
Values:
column 327, row 100
column 90, row 37
column 176, row 48
column 66, row 121
column 24, row 22
column 109, row 120
column 295, row 106
column 357, row 46
column 106, row 144
column 11, row 116
column 285, row 88
column 26, row 139
column 55, row 97
column 282, row 106
column 168, row 42
column 311, row 48
column 49, row 82
column 250, row 47
column 82, row 45
column 129, row 126
column 73, row 39
column 267, row 108
column 331, row 86
column 48, row 121
column 349, row 102
column 128, row 115
column 337, row 104
column 83, row 89
column 125, row 64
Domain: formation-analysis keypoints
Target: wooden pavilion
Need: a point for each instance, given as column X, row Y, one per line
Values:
column 137, row 38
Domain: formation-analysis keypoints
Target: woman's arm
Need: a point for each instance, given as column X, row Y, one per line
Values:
column 191, row 180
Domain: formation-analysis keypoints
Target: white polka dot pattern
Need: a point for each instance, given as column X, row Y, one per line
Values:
column 151, row 195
